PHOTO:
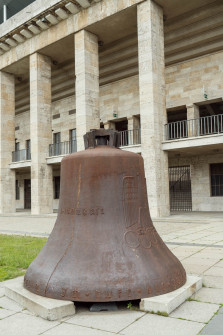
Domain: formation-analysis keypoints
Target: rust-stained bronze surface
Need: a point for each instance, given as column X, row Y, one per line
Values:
column 104, row 246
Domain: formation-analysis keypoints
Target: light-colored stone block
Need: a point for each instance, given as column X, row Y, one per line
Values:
column 213, row 281
column 215, row 271
column 211, row 295
column 50, row 309
column 73, row 329
column 2, row 292
column 195, row 311
column 166, row 303
column 23, row 324
column 4, row 313
column 159, row 325
column 108, row 321
column 10, row 305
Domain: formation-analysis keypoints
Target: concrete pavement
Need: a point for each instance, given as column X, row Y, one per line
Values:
column 195, row 238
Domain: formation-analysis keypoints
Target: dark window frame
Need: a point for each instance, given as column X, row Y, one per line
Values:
column 17, row 190
column 56, row 181
column 216, row 180
column 73, row 134
column 17, row 146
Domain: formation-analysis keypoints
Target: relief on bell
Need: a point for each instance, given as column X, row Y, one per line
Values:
column 139, row 228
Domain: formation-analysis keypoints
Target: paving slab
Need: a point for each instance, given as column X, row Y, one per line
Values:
column 49, row 309
column 215, row 327
column 22, row 324
column 68, row 329
column 159, row 325
column 4, row 313
column 196, row 269
column 213, row 281
column 9, row 304
column 166, row 303
column 211, row 295
column 190, row 249
column 200, row 261
column 220, row 264
column 195, row 311
column 207, row 255
column 107, row 321
column 220, row 310
column 2, row 292
column 215, row 271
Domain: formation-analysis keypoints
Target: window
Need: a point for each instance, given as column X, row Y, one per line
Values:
column 122, row 127
column 73, row 141
column 56, row 138
column 17, row 193
column 17, row 145
column 28, row 153
column 56, row 141
column 56, row 187
column 216, row 179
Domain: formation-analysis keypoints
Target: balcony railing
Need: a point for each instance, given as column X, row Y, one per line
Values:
column 207, row 125
column 62, row 148
column 130, row 137
column 21, row 155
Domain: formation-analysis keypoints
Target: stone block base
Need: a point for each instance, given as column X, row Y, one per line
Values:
column 166, row 303
column 49, row 309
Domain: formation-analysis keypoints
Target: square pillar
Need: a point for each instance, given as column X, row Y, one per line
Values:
column 153, row 105
column 7, row 142
column 109, row 125
column 193, row 122
column 134, row 130
column 41, row 134
column 87, row 84
column 133, row 123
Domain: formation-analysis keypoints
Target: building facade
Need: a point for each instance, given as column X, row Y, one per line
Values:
column 152, row 70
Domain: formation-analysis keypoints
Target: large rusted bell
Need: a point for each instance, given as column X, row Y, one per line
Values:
column 104, row 246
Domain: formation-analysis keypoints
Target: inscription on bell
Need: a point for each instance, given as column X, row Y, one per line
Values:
column 83, row 211
column 130, row 188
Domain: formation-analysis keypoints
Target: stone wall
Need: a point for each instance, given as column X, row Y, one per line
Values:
column 121, row 97
column 64, row 117
column 186, row 82
column 184, row 85
column 20, row 177
column 22, row 128
column 200, row 181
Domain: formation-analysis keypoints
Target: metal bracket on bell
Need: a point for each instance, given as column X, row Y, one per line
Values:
column 101, row 136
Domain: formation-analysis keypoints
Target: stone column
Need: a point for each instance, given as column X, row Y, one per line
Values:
column 152, row 104
column 7, row 142
column 130, row 123
column 109, row 125
column 87, row 84
column 134, row 133
column 41, row 134
column 193, row 124
column 106, row 125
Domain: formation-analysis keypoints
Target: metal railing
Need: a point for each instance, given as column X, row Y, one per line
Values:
column 21, row 155
column 130, row 137
column 62, row 148
column 207, row 125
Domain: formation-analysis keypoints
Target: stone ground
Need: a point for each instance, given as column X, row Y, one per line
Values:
column 195, row 238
